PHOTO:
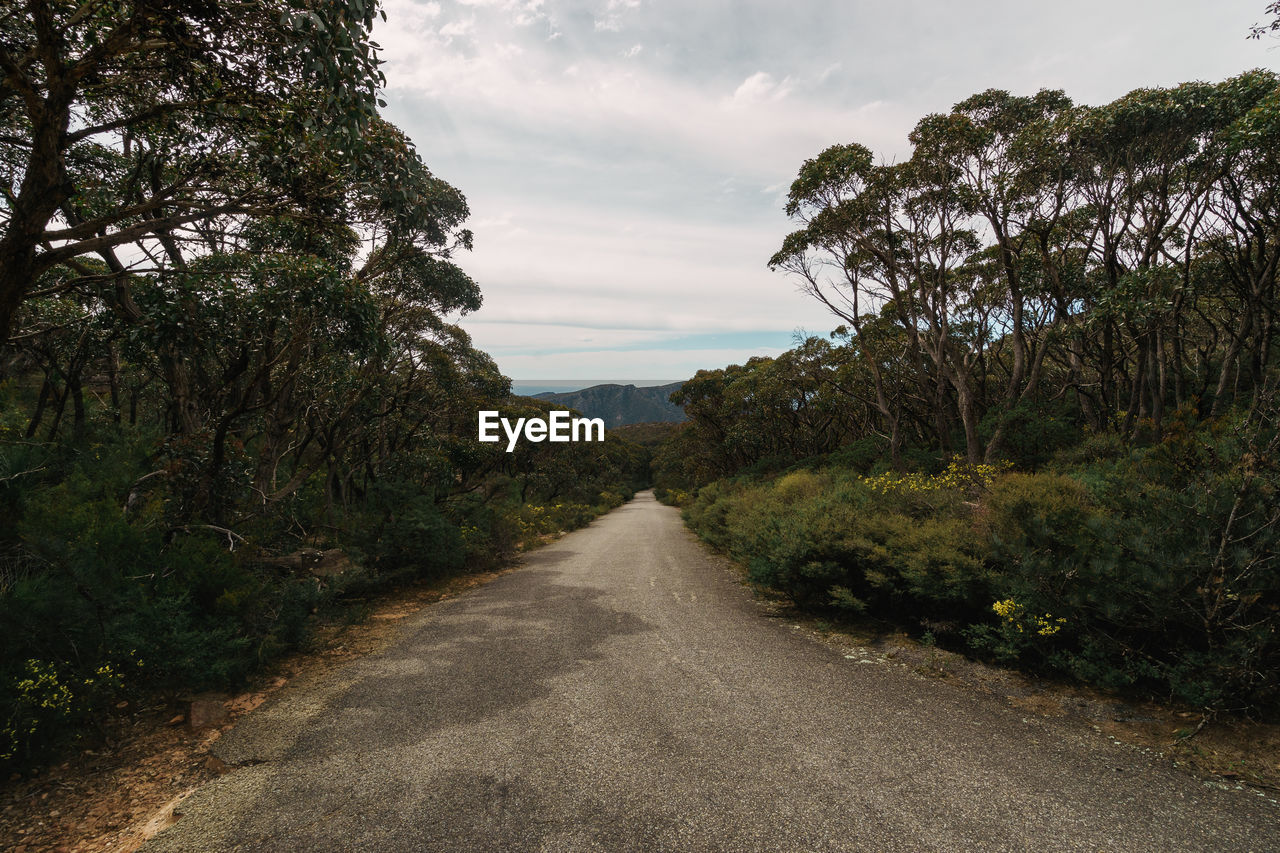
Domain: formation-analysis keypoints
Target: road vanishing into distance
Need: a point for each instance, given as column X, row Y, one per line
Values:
column 624, row 692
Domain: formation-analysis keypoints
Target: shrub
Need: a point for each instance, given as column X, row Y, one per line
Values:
column 1163, row 566
column 708, row 514
column 1024, row 513
column 858, row 456
column 1032, row 432
column 833, row 539
column 419, row 541
column 671, row 496
column 1154, row 569
column 41, row 703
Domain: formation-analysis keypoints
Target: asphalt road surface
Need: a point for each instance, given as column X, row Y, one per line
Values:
column 624, row 692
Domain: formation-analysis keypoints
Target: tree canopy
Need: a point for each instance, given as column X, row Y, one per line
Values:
column 124, row 124
column 229, row 304
column 1030, row 249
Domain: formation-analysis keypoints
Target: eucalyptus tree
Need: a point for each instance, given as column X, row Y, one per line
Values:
column 846, row 253
column 124, row 120
column 1150, row 167
column 1121, row 251
column 715, row 402
column 317, row 344
column 1246, row 240
column 201, row 197
column 1010, row 175
column 1272, row 26
column 942, row 309
column 896, row 239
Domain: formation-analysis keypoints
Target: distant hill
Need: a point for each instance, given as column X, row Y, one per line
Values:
column 617, row 405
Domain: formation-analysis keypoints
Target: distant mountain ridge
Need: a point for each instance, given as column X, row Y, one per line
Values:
column 618, row 405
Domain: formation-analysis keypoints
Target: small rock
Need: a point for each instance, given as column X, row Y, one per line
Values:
column 207, row 711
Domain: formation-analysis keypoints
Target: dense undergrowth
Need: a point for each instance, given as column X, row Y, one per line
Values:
column 1145, row 569
column 106, row 594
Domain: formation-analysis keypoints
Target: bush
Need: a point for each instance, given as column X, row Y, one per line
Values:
column 41, row 703
column 708, row 514
column 1155, row 570
column 100, row 589
column 1163, row 567
column 1032, row 432
column 1033, row 513
column 671, row 496
column 832, row 539
column 859, row 456
column 419, row 541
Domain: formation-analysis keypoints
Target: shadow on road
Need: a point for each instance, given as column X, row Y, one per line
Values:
column 473, row 658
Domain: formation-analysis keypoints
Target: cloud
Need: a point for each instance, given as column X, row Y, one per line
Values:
column 759, row 129
column 458, row 28
column 528, row 13
column 626, row 162
column 611, row 20
column 760, row 87
column 508, row 50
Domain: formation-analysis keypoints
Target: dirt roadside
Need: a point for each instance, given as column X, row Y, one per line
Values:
column 1219, row 749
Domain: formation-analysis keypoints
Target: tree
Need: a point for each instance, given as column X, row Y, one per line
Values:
column 123, row 122
column 1026, row 236
column 1258, row 30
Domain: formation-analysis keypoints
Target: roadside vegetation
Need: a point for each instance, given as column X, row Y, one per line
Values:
column 1046, row 431
column 233, row 395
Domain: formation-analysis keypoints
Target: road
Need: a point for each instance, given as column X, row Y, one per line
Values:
column 623, row 692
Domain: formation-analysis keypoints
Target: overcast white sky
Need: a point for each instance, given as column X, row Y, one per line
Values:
column 626, row 160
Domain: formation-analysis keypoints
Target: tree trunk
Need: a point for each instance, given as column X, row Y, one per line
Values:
column 1228, row 360
column 38, row 414
column 44, row 188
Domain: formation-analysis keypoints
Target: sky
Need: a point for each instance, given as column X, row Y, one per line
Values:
column 626, row 161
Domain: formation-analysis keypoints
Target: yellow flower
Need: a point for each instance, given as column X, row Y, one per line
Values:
column 1012, row 614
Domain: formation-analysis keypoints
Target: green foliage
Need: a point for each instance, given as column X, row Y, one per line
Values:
column 225, row 110
column 1031, row 434
column 859, row 456
column 40, row 703
column 835, row 539
column 1153, row 570
column 272, row 371
column 1029, row 512
column 1085, row 292
column 420, row 541
column 1169, row 578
